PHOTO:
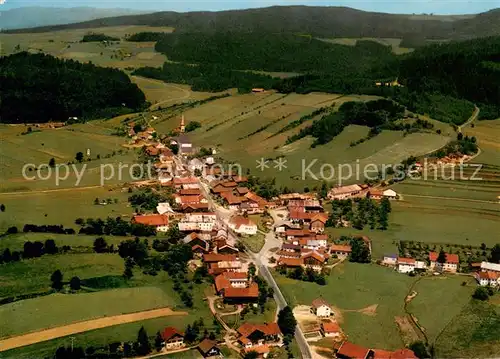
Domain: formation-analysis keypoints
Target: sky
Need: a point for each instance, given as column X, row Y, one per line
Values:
column 396, row 6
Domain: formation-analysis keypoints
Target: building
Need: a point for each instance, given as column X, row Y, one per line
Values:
column 340, row 250
column 317, row 223
column 242, row 225
column 198, row 221
column 321, row 308
column 230, row 280
column 488, row 266
column 172, row 338
column 450, row 265
column 488, row 278
column 331, row 330
column 314, row 260
column 348, row 350
column 209, row 349
column 186, row 183
column 406, row 265
column 344, row 192
column 389, row 193
column 390, row 259
column 241, row 295
column 159, row 221
column 164, row 207
column 397, row 354
column 255, row 335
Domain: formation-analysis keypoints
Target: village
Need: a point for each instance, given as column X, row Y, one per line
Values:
column 216, row 211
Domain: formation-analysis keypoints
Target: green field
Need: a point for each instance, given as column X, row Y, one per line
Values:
column 352, row 287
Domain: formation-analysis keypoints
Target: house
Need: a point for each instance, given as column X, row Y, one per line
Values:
column 314, row 260
column 197, row 221
column 340, row 250
column 241, row 191
column 225, row 266
column 281, row 227
column 230, row 280
column 159, row 221
column 317, row 223
column 232, row 201
column 321, row 308
column 164, row 207
column 172, row 338
column 295, row 234
column 241, row 295
column 316, row 242
column 198, row 245
column 344, row 192
column 389, row 193
column 186, row 183
column 255, row 335
column 242, row 225
column 208, row 348
column 375, row 194
column 450, row 265
column 224, row 248
column 185, row 145
column 331, row 329
column 196, row 165
column 215, row 258
column 390, row 259
column 290, row 247
column 406, row 265
column 225, row 186
column 290, row 262
column 348, row 350
column 488, row 266
column 488, row 278
column 194, row 207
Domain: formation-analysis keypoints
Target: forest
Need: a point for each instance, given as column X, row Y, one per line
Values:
column 38, row 88
column 93, row 37
column 146, row 36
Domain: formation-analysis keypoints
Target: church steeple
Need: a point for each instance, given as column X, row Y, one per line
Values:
column 182, row 126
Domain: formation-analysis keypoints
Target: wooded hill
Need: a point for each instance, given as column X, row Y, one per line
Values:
column 311, row 20
column 40, row 88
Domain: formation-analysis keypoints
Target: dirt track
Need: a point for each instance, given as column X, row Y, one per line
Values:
column 53, row 333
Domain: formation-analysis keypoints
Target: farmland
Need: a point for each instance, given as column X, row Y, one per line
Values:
column 369, row 297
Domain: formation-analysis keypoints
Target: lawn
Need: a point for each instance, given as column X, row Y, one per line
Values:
column 255, row 242
column 352, row 287
column 51, row 207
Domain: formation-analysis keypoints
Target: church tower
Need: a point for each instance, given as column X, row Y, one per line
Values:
column 183, row 125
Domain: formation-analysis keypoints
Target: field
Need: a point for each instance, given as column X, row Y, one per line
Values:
column 370, row 297
column 66, row 45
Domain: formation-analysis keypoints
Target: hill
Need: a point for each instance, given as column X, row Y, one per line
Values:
column 40, row 88
column 26, row 17
column 312, row 20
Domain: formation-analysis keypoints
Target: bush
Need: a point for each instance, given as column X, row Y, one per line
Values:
column 481, row 293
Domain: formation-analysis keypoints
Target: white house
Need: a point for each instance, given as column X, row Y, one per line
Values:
column 209, row 160
column 450, row 265
column 488, row 278
column 406, row 265
column 164, row 207
column 390, row 259
column 488, row 266
column 172, row 338
column 389, row 193
column 315, row 243
column 160, row 222
column 321, row 308
column 242, row 225
column 198, row 222
column 344, row 192
column 331, row 330
column 195, row 164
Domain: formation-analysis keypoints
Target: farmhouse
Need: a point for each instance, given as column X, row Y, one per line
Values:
column 344, row 192
column 208, row 348
column 159, row 221
column 488, row 278
column 255, row 335
column 390, row 259
column 450, row 264
column 243, row 225
column 406, row 265
column 321, row 308
column 488, row 266
column 331, row 330
column 340, row 250
column 241, row 295
column 172, row 338
column 231, row 280
column 389, row 193
column 314, row 260
column 349, row 350
column 186, row 183
column 197, row 222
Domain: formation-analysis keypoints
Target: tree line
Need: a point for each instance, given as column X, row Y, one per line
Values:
column 39, row 88
column 359, row 213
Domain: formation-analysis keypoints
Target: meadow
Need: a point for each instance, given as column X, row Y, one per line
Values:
column 369, row 298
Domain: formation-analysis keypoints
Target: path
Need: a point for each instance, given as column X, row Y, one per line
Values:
column 75, row 328
column 470, row 120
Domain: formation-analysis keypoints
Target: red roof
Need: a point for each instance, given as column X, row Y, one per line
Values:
column 353, row 351
column 241, row 221
column 256, row 198
column 195, row 206
column 488, row 275
column 406, row 260
column 331, row 327
column 297, row 232
column 403, row 354
column 231, row 198
column 291, row 262
column 242, row 190
column 223, row 281
column 450, row 258
column 315, row 255
column 151, row 220
column 189, row 192
column 251, row 292
column 381, row 354
column 185, row 180
column 341, row 248
column 240, row 179
column 260, row 349
column 268, row 329
column 170, row 332
column 214, row 257
column 319, row 302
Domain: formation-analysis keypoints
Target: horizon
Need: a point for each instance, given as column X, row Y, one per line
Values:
column 436, row 7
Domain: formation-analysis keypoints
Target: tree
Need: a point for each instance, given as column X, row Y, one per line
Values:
column 158, row 341
column 56, row 279
column 441, row 257
column 252, row 354
column 143, row 345
column 287, row 321
column 100, row 245
column 2, row 207
column 75, row 283
column 50, row 247
column 481, row 293
column 495, row 254
column 79, row 221
column 137, row 128
column 360, row 252
column 52, row 162
column 12, row 230
column 96, row 201
column 175, row 148
column 190, row 334
column 79, row 157
column 419, row 349
column 128, row 273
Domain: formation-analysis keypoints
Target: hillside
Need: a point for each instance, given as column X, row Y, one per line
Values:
column 40, row 88
column 316, row 21
column 26, row 17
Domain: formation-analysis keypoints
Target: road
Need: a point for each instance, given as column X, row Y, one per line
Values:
column 260, row 260
column 471, row 119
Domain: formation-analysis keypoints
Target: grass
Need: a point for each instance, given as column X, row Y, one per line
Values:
column 269, row 316
column 352, row 287
column 255, row 242
column 474, row 332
